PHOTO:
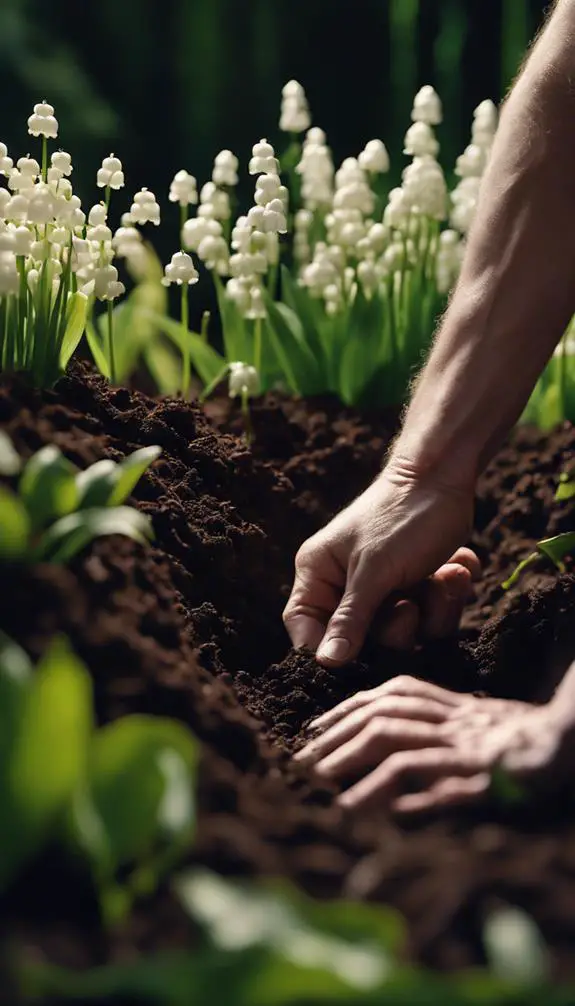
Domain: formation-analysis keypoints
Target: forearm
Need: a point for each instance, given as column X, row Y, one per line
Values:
column 516, row 292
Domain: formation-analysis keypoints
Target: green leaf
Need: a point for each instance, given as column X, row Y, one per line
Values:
column 15, row 676
column 76, row 316
column 298, row 299
column 555, row 549
column 141, row 787
column 48, row 756
column 72, row 533
column 96, row 483
column 14, row 526
column 130, row 471
column 234, row 329
column 164, row 365
column 345, row 941
column 48, row 486
column 96, row 348
column 204, row 358
column 10, row 460
column 297, row 361
column 566, row 488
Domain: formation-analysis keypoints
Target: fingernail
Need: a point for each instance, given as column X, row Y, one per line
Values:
column 336, row 649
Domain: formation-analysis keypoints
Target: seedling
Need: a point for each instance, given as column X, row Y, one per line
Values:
column 58, row 510
column 123, row 794
column 554, row 549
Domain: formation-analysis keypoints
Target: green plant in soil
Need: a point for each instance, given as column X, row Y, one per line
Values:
column 554, row 549
column 56, row 510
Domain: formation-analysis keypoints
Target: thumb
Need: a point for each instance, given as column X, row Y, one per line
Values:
column 348, row 626
column 315, row 594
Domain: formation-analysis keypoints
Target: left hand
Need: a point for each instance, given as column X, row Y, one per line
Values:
column 415, row 746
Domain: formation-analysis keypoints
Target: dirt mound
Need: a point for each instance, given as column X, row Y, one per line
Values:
column 191, row 628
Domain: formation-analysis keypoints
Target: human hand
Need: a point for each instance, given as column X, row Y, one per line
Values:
column 408, row 735
column 401, row 530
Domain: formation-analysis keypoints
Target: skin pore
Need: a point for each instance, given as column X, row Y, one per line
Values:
column 514, row 299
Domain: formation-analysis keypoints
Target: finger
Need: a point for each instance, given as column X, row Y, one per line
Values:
column 392, row 707
column 446, row 793
column 348, row 626
column 466, row 557
column 383, row 786
column 340, row 711
column 404, row 684
column 400, row 629
column 378, row 740
column 445, row 595
column 319, row 581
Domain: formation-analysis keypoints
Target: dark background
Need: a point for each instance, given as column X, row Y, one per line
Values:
column 165, row 84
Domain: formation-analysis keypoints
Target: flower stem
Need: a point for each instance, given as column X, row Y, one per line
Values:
column 183, row 218
column 258, row 346
column 563, row 376
column 111, row 357
column 44, row 159
column 247, row 417
column 186, row 363
column 107, row 197
column 205, row 325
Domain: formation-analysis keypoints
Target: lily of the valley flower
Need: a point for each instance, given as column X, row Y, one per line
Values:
column 243, row 380
column 43, row 122
column 184, row 189
column 181, row 270
column 110, row 175
column 295, row 115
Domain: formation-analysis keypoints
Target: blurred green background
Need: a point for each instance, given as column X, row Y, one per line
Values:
column 165, row 84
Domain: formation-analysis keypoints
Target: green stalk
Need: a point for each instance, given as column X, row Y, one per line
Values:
column 44, row 159
column 111, row 357
column 563, row 376
column 3, row 330
column 21, row 331
column 107, row 197
column 205, row 325
column 183, row 218
column 258, row 345
column 186, row 362
column 247, row 417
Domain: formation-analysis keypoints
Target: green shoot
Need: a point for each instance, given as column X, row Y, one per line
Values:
column 57, row 510
column 554, row 549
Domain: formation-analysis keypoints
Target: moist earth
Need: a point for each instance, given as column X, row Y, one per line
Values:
column 191, row 628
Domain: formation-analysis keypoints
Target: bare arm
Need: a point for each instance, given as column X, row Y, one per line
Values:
column 514, row 299
column 516, row 293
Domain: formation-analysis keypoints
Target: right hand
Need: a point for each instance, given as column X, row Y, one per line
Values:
column 400, row 531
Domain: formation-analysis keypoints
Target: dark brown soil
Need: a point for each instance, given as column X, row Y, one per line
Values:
column 191, row 628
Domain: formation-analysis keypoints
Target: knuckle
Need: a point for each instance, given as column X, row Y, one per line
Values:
column 306, row 554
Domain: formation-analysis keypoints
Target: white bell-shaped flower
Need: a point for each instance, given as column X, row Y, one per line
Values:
column 420, row 141
column 6, row 163
column 225, row 172
column 427, row 106
column 238, row 291
column 263, row 160
column 257, row 309
column 42, row 122
column 215, row 203
column 145, row 208
column 9, row 278
column 181, row 270
column 398, row 209
column 62, row 162
column 184, row 189
column 243, row 380
column 97, row 215
column 23, row 238
column 41, row 205
column 213, row 252
column 194, row 231
column 295, row 115
column 471, row 163
column 374, row 158
column 110, row 174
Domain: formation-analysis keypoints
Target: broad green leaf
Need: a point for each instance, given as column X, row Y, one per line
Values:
column 14, row 526
column 141, row 787
column 164, row 365
column 48, row 486
column 295, row 358
column 72, row 533
column 15, row 675
column 130, row 471
column 239, row 917
column 234, row 330
column 76, row 316
column 95, row 484
column 97, row 350
column 48, row 755
column 298, row 299
column 10, row 460
column 204, row 358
